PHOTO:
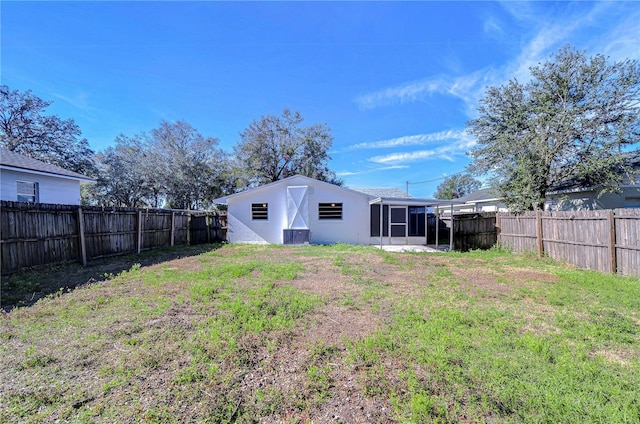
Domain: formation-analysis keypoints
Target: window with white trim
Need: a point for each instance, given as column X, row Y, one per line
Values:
column 27, row 191
column 260, row 211
column 328, row 211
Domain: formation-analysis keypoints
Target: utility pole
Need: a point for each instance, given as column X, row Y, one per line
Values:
column 407, row 187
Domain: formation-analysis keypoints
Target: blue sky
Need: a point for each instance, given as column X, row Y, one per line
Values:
column 395, row 81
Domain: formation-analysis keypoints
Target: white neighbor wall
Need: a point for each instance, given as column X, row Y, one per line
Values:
column 353, row 228
column 59, row 190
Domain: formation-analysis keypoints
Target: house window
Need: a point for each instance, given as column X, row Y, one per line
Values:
column 375, row 220
column 27, row 191
column 260, row 211
column 329, row 211
column 416, row 221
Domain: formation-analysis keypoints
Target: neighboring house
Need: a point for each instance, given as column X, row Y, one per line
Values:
column 483, row 200
column 299, row 210
column 24, row 179
column 580, row 195
column 586, row 198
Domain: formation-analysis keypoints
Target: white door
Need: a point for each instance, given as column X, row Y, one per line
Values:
column 297, row 208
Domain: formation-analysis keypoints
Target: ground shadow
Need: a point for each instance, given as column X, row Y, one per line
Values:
column 26, row 287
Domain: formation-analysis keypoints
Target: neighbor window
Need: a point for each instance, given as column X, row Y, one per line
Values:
column 27, row 191
column 260, row 211
column 329, row 210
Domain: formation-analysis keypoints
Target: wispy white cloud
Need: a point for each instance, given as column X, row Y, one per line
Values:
column 409, row 140
column 79, row 100
column 550, row 32
column 462, row 86
column 493, row 27
column 623, row 40
column 447, row 152
column 370, row 170
column 403, row 93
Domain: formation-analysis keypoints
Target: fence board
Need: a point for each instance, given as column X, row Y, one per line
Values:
column 627, row 226
column 518, row 232
column 41, row 234
column 474, row 231
column 581, row 238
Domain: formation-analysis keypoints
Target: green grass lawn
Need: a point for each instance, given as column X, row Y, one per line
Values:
column 328, row 334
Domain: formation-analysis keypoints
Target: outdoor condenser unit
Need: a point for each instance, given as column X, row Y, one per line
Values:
column 296, row 236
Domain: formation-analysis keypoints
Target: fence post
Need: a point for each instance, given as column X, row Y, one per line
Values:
column 498, row 229
column 437, row 227
column 451, row 230
column 613, row 265
column 539, row 232
column 173, row 228
column 208, row 222
column 139, row 244
column 189, row 229
column 81, row 242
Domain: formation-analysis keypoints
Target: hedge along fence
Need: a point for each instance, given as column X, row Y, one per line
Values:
column 602, row 240
column 35, row 234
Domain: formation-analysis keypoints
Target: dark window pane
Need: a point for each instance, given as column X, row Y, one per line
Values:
column 398, row 215
column 398, row 230
column 416, row 221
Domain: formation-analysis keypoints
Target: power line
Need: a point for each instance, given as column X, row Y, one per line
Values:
column 432, row 180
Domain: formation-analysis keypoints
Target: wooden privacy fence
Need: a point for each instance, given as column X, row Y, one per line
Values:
column 602, row 240
column 39, row 234
column 475, row 230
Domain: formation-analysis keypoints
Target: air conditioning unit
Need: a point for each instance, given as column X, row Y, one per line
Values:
column 296, row 236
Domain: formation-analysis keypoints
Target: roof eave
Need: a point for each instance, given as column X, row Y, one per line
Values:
column 49, row 174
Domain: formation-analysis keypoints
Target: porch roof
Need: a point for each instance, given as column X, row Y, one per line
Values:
column 413, row 201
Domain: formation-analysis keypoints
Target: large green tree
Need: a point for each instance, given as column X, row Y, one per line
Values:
column 172, row 166
column 573, row 120
column 26, row 129
column 275, row 147
column 124, row 177
column 192, row 168
column 456, row 185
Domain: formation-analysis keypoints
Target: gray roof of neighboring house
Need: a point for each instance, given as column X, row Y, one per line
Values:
column 384, row 192
column 479, row 196
column 9, row 159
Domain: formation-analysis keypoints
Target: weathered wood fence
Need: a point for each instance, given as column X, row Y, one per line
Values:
column 40, row 234
column 470, row 230
column 602, row 240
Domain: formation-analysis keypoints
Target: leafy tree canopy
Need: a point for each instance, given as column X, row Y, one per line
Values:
column 456, row 186
column 172, row 166
column 123, row 175
column 574, row 119
column 276, row 147
column 25, row 129
column 192, row 167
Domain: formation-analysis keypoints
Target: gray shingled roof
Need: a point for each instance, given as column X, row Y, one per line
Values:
column 479, row 195
column 18, row 161
column 383, row 192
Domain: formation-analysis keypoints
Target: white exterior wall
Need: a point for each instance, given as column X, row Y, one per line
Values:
column 353, row 228
column 59, row 190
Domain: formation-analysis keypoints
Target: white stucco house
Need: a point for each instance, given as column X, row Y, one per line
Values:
column 299, row 210
column 483, row 200
column 23, row 179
